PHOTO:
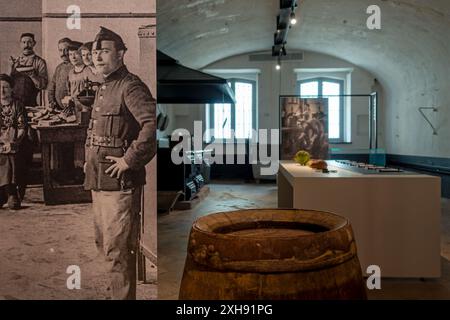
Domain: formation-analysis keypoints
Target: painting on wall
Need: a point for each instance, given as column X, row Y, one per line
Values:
column 303, row 124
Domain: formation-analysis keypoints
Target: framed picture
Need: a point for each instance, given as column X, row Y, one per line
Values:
column 303, row 125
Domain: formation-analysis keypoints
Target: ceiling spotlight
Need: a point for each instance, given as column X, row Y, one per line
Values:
column 293, row 19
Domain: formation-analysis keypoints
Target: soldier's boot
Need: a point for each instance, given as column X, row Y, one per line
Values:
column 21, row 189
column 13, row 198
column 3, row 196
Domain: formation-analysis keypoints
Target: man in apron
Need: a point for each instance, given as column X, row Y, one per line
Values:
column 29, row 73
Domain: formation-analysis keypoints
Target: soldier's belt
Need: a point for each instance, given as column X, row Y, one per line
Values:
column 111, row 142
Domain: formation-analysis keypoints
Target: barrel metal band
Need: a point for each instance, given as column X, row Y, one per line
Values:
column 327, row 259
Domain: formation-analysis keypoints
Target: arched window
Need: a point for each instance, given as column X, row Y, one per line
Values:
column 331, row 89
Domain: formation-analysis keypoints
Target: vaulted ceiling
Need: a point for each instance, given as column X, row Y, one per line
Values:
column 410, row 54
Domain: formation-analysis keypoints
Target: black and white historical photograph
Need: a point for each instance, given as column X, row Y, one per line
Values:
column 77, row 149
column 303, row 127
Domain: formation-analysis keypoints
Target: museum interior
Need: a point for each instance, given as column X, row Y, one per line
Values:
column 351, row 96
column 302, row 149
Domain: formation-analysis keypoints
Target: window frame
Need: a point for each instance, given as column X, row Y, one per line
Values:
column 233, row 82
column 320, row 81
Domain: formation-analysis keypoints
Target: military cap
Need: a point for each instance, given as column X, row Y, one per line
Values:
column 27, row 34
column 108, row 35
column 5, row 77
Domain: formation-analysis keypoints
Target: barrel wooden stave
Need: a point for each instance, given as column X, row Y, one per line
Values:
column 223, row 264
column 340, row 283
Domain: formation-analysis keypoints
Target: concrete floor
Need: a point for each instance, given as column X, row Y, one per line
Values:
column 39, row 242
column 173, row 232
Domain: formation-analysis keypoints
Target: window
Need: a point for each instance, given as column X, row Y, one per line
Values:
column 333, row 90
column 224, row 118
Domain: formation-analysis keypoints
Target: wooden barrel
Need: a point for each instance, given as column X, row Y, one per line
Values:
column 272, row 254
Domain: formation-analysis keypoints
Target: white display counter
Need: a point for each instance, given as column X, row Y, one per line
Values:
column 395, row 217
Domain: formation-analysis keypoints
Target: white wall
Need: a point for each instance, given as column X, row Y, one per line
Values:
column 104, row 6
column 11, row 28
column 425, row 83
column 273, row 83
column 55, row 28
column 181, row 116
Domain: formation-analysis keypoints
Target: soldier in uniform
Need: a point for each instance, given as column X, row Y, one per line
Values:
column 121, row 141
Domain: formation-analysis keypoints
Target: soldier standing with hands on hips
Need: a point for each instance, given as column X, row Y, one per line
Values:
column 121, row 141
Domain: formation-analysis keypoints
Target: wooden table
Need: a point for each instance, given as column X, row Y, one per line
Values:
column 395, row 217
column 53, row 136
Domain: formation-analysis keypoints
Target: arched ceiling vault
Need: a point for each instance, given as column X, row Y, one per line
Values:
column 414, row 32
column 410, row 54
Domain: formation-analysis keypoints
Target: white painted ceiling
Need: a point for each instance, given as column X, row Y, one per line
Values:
column 410, row 54
column 414, row 32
